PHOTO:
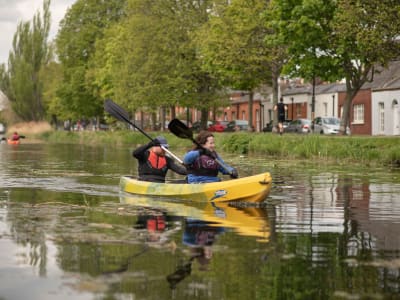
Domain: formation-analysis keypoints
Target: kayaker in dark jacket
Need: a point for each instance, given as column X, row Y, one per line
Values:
column 201, row 162
column 153, row 163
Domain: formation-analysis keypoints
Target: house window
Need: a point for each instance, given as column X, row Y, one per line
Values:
column 243, row 115
column 298, row 110
column 381, row 117
column 325, row 109
column 225, row 116
column 233, row 115
column 358, row 110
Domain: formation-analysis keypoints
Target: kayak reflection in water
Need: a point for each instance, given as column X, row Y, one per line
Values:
column 199, row 236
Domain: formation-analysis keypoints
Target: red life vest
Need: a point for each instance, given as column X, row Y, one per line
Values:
column 157, row 162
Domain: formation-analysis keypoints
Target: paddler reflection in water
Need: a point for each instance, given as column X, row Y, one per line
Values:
column 199, row 236
column 153, row 163
column 159, row 225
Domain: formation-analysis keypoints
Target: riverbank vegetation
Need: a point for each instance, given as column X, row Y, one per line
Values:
column 191, row 55
column 334, row 149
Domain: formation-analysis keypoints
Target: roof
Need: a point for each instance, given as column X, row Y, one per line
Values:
column 319, row 89
column 385, row 78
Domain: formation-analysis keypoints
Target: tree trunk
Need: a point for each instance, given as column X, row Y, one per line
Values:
column 251, row 96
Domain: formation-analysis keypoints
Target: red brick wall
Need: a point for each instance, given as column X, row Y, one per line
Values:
column 362, row 97
column 299, row 111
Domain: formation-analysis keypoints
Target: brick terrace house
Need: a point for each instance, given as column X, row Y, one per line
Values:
column 374, row 110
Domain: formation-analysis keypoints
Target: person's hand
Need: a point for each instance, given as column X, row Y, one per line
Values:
column 207, row 152
column 234, row 174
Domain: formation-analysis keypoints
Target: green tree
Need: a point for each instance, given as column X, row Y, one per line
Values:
column 21, row 82
column 233, row 48
column 339, row 39
column 148, row 61
column 83, row 24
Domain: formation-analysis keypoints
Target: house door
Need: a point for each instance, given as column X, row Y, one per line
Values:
column 396, row 118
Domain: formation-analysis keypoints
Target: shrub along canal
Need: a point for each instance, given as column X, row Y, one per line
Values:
column 324, row 232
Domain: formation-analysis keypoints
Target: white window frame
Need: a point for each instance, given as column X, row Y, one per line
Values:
column 381, row 117
column 358, row 113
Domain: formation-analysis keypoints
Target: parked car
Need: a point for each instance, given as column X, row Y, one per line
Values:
column 2, row 128
column 218, row 126
column 269, row 127
column 237, row 125
column 196, row 126
column 326, row 125
column 299, row 126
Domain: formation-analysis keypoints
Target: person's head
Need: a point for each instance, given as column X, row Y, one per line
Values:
column 206, row 140
column 163, row 142
column 15, row 133
column 281, row 99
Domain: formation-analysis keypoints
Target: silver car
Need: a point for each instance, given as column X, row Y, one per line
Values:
column 326, row 125
column 299, row 126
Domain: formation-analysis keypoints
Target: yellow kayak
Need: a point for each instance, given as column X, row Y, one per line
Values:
column 244, row 220
column 247, row 189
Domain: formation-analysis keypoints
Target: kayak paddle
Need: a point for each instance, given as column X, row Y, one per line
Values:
column 120, row 114
column 180, row 129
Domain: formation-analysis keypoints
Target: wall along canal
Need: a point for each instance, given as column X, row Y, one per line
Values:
column 324, row 232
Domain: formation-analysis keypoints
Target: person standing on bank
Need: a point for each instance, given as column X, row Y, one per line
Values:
column 281, row 109
column 153, row 163
column 201, row 161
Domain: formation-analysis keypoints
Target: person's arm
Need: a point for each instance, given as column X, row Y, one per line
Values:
column 227, row 169
column 190, row 157
column 139, row 152
column 175, row 167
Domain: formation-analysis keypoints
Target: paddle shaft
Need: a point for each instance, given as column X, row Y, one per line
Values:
column 118, row 112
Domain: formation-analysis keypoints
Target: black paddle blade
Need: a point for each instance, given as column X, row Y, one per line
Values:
column 116, row 111
column 180, row 129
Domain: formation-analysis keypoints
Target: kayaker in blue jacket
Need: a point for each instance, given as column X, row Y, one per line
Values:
column 153, row 163
column 201, row 162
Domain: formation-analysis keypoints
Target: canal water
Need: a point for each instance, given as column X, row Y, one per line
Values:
column 324, row 232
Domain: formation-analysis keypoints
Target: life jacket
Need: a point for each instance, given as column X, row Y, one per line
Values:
column 204, row 165
column 154, row 169
column 157, row 162
column 156, row 223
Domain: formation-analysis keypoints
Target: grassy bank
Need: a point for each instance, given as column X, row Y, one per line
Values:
column 337, row 149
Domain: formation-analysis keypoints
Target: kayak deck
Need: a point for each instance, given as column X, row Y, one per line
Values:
column 250, row 189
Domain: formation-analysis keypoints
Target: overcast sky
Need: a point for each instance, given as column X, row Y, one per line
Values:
column 14, row 11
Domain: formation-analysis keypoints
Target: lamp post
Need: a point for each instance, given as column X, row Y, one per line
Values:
column 333, row 105
column 292, row 106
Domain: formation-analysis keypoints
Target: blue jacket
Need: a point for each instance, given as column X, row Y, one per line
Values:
column 191, row 157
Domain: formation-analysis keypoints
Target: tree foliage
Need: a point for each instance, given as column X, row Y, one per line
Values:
column 21, row 81
column 232, row 45
column 149, row 61
column 339, row 39
column 83, row 24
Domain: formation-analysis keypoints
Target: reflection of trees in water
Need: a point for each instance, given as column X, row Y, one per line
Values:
column 27, row 229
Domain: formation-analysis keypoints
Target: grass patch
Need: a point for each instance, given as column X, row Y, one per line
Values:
column 365, row 150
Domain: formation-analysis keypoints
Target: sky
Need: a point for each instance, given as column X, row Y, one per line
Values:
column 12, row 12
